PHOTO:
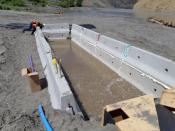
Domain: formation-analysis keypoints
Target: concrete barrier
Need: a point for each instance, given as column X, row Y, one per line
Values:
column 147, row 71
column 52, row 28
column 60, row 94
column 55, row 31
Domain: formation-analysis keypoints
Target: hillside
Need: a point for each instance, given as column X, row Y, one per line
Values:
column 110, row 3
column 156, row 5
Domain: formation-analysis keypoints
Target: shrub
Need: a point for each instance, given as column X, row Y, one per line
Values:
column 12, row 2
column 18, row 2
column 70, row 3
column 4, row 7
column 66, row 3
column 79, row 3
column 40, row 2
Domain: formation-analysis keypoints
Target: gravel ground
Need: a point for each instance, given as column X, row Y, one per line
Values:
column 18, row 106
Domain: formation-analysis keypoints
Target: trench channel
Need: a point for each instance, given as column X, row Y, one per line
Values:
column 93, row 83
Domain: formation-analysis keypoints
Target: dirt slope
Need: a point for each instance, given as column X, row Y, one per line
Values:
column 156, row 5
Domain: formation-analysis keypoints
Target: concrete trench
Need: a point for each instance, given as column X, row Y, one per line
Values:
column 93, row 83
column 97, row 70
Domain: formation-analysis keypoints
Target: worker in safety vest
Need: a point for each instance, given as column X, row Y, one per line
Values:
column 33, row 25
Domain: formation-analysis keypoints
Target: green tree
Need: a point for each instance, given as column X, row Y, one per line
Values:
column 40, row 2
column 13, row 2
column 70, row 3
column 79, row 3
column 18, row 2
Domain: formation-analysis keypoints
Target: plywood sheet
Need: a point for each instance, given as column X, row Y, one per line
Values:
column 141, row 113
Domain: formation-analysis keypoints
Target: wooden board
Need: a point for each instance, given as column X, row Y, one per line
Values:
column 32, row 78
column 141, row 112
column 24, row 72
column 168, row 98
column 34, row 82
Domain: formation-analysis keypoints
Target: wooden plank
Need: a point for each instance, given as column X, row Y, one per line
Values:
column 168, row 98
column 32, row 79
column 135, row 124
column 24, row 72
column 141, row 114
column 34, row 82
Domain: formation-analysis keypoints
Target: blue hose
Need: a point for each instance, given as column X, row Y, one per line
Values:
column 43, row 118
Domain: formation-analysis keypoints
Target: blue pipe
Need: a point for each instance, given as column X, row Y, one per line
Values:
column 43, row 118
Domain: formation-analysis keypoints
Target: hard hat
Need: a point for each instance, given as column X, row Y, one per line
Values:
column 34, row 21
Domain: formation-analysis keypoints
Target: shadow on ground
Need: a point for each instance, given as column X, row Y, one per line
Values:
column 43, row 83
column 15, row 25
column 88, row 26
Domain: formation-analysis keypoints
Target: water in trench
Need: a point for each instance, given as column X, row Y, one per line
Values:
column 94, row 83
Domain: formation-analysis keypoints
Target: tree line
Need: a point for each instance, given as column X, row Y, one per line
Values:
column 70, row 3
column 11, row 4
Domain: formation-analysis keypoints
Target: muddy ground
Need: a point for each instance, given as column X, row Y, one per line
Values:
column 18, row 106
column 88, row 76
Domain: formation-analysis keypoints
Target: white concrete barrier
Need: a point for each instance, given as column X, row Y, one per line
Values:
column 147, row 71
column 60, row 94
column 55, row 31
column 156, row 66
column 55, row 28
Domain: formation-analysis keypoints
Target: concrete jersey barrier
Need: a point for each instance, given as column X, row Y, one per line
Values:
column 60, row 94
column 147, row 71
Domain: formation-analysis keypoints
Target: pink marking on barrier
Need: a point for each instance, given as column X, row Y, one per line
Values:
column 98, row 37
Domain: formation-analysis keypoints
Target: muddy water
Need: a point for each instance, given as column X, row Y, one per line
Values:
column 94, row 83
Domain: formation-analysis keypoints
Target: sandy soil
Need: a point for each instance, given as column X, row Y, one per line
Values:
column 167, row 21
column 18, row 106
column 156, row 5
